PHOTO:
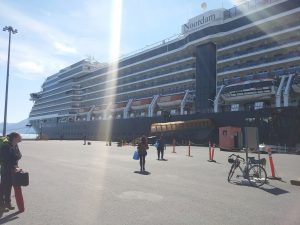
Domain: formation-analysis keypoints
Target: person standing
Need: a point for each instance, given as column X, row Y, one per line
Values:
column 84, row 140
column 160, row 146
column 142, row 150
column 10, row 156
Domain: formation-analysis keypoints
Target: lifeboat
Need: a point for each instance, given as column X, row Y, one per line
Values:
column 296, row 84
column 170, row 100
column 260, row 89
column 141, row 103
column 84, row 110
column 119, row 106
column 99, row 109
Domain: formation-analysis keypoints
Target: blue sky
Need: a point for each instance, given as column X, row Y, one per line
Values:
column 55, row 34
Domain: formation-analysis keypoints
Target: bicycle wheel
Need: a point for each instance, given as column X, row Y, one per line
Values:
column 231, row 172
column 257, row 175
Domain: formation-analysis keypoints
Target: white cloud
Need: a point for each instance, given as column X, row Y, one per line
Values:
column 61, row 47
column 83, row 32
column 30, row 67
column 30, row 63
column 27, row 24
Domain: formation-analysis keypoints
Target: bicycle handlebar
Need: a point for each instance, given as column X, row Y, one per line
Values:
column 237, row 156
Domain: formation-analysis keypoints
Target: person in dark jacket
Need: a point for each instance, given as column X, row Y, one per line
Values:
column 10, row 156
column 160, row 146
column 84, row 140
column 142, row 150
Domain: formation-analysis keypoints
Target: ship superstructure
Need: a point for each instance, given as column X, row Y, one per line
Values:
column 245, row 59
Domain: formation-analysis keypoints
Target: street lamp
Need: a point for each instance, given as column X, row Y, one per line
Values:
column 10, row 30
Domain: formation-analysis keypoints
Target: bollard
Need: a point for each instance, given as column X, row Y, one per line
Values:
column 174, row 144
column 189, row 153
column 209, row 151
column 213, row 152
column 272, row 166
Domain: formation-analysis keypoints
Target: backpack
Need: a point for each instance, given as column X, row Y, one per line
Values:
column 159, row 144
column 3, row 141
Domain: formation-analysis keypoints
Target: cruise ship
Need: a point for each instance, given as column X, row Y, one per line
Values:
column 235, row 67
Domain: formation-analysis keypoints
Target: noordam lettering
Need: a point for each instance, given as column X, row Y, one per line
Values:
column 199, row 22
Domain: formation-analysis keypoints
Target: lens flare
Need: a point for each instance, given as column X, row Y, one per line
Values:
column 116, row 18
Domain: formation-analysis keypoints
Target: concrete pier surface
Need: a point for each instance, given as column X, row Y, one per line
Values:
column 76, row 184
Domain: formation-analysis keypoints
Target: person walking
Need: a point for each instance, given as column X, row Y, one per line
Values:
column 10, row 154
column 160, row 146
column 142, row 150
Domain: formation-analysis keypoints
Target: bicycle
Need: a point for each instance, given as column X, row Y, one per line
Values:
column 252, row 171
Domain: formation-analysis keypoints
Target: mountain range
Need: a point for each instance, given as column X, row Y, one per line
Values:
column 19, row 127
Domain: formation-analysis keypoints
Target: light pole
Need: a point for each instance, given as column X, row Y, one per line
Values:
column 10, row 30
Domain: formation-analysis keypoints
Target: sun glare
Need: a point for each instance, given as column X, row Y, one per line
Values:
column 116, row 18
column 115, row 36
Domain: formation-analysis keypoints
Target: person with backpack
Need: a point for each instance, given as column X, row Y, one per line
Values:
column 160, row 146
column 142, row 150
column 10, row 155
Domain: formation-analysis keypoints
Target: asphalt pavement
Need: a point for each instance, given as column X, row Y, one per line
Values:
column 76, row 184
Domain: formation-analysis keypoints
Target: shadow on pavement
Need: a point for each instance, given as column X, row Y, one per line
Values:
column 214, row 162
column 266, row 187
column 9, row 217
column 142, row 172
column 273, row 190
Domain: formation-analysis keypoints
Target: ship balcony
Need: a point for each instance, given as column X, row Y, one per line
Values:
column 76, row 98
column 170, row 100
column 76, row 86
column 73, row 111
column 141, row 104
column 259, row 36
column 261, row 50
column 257, row 65
column 263, row 89
column 74, row 72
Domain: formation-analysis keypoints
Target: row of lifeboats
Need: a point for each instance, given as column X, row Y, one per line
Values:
column 258, row 89
column 138, row 104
